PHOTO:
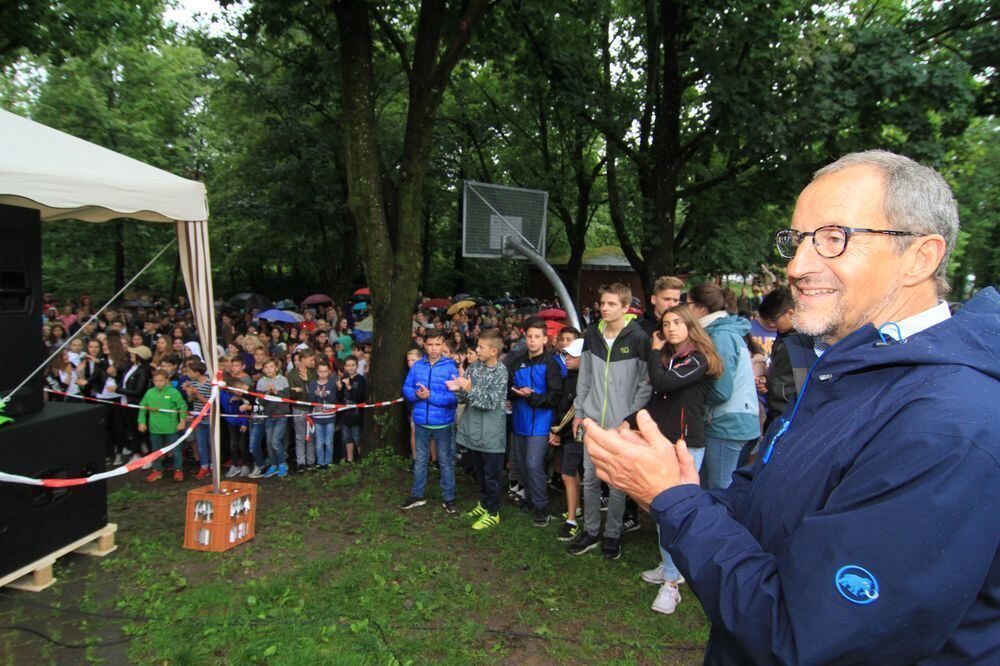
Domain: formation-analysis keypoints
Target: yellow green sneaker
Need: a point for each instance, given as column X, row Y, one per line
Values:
column 476, row 512
column 486, row 521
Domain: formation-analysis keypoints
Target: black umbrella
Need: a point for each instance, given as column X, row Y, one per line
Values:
column 286, row 304
column 250, row 301
column 461, row 297
column 504, row 301
column 526, row 309
column 525, row 301
column 481, row 301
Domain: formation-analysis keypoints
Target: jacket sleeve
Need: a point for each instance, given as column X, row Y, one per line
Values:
column 410, row 387
column 553, row 386
column 780, row 379
column 644, row 390
column 179, row 404
column 665, row 380
column 729, row 350
column 583, row 382
column 935, row 490
column 511, row 372
column 143, row 413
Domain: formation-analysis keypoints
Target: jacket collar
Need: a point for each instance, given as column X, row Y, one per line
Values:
column 712, row 317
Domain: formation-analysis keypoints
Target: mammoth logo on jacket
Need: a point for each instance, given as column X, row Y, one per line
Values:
column 856, row 584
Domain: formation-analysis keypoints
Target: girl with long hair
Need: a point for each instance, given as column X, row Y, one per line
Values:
column 61, row 376
column 683, row 363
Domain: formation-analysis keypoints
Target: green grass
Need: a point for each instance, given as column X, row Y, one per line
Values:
column 337, row 574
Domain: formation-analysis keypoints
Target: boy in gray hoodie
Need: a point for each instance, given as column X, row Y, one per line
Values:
column 613, row 383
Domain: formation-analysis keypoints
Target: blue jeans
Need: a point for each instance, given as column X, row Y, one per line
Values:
column 324, row 441
column 721, row 456
column 157, row 442
column 531, row 468
column 203, row 435
column 274, row 429
column 446, row 459
column 670, row 571
column 256, row 437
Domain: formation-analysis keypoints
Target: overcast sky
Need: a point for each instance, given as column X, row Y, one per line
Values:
column 192, row 13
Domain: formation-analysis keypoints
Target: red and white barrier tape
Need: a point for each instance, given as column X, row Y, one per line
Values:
column 104, row 401
column 118, row 471
column 303, row 403
column 326, row 409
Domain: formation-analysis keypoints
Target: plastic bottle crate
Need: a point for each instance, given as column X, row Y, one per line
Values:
column 217, row 522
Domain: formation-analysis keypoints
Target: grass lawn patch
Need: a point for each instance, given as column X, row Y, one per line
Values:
column 338, row 574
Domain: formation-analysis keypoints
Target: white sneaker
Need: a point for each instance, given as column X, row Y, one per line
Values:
column 118, row 460
column 667, row 598
column 135, row 456
column 655, row 577
column 244, row 471
column 256, row 473
column 148, row 465
column 126, row 451
column 232, row 471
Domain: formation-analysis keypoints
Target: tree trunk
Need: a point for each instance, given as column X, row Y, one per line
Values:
column 393, row 261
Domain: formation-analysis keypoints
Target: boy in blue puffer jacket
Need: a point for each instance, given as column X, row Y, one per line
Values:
column 433, row 416
column 535, row 380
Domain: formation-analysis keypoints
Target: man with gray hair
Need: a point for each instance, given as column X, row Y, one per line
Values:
column 869, row 530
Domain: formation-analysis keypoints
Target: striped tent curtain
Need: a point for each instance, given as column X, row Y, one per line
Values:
column 196, row 266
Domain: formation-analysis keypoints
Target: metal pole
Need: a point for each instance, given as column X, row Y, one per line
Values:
column 515, row 243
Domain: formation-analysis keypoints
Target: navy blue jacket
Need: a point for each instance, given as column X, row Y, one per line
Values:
column 533, row 415
column 439, row 408
column 871, row 534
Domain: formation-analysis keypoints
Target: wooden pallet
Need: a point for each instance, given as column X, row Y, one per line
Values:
column 37, row 576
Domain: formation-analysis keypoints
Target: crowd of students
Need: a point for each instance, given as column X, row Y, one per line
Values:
column 707, row 373
column 494, row 391
column 152, row 361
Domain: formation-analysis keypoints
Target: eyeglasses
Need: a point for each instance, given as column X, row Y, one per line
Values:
column 830, row 241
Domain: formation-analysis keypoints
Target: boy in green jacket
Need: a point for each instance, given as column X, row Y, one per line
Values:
column 163, row 426
column 483, row 428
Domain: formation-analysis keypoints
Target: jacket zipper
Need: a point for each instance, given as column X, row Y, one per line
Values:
column 607, row 368
column 427, row 406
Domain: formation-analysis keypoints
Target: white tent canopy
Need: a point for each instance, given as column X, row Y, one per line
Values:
column 66, row 177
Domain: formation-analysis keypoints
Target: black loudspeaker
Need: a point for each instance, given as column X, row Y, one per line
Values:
column 62, row 441
column 21, row 307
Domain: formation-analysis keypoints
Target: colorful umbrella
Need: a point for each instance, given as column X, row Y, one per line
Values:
column 279, row 315
column 552, row 313
column 364, row 291
column 286, row 304
column 316, row 299
column 436, row 303
column 461, row 305
column 360, row 306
